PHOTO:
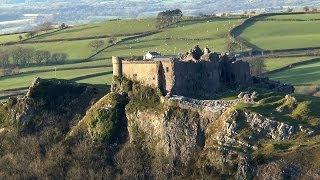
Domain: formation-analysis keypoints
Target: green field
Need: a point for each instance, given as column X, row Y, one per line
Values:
column 272, row 35
column 304, row 74
column 109, row 28
column 295, row 17
column 105, row 62
column 277, row 63
column 15, row 37
column 76, row 50
column 172, row 40
column 19, row 81
column 10, row 38
column 178, row 39
column 105, row 79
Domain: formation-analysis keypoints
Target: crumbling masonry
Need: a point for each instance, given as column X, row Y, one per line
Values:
column 196, row 73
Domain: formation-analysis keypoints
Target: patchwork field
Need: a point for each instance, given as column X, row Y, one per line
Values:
column 304, row 74
column 177, row 38
column 105, row 62
column 76, row 50
column 10, row 38
column 109, row 28
column 302, row 17
column 272, row 35
column 25, row 80
column 277, row 63
column 275, row 35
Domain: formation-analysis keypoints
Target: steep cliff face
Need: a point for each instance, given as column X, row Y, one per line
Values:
column 215, row 139
column 136, row 133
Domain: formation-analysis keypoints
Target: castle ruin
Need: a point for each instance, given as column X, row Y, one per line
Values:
column 197, row 73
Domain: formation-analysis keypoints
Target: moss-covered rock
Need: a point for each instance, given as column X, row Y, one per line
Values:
column 106, row 118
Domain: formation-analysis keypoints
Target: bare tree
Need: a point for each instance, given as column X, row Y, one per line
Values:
column 306, row 9
column 22, row 56
column 46, row 26
column 4, row 59
column 31, row 34
column 96, row 44
column 58, row 58
column 41, row 57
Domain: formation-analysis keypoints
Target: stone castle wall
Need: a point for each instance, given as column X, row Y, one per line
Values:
column 188, row 78
column 158, row 74
column 142, row 71
column 193, row 78
column 197, row 73
column 167, row 75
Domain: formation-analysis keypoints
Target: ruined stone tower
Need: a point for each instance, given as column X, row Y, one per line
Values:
column 117, row 66
column 200, row 73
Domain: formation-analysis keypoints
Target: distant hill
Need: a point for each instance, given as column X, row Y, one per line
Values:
column 89, row 11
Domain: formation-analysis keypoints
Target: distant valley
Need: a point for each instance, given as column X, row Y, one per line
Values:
column 15, row 14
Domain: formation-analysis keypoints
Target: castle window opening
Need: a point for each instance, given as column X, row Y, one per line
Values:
column 153, row 78
column 167, row 69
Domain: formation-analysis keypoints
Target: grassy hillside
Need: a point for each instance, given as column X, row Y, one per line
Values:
column 109, row 28
column 10, row 38
column 305, row 74
column 76, row 50
column 272, row 35
column 72, row 65
column 24, row 80
column 172, row 40
column 178, row 38
column 301, row 17
column 277, row 63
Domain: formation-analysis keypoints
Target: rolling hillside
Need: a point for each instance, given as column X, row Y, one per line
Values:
column 283, row 32
column 136, row 37
column 132, row 38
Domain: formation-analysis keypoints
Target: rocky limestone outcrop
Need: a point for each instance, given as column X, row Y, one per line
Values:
column 60, row 97
column 180, row 129
column 212, row 133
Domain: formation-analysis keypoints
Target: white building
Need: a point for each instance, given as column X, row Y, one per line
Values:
column 151, row 55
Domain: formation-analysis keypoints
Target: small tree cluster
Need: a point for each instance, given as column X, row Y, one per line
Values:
column 168, row 17
column 46, row 26
column 31, row 34
column 4, row 59
column 63, row 26
column 24, row 56
column 96, row 45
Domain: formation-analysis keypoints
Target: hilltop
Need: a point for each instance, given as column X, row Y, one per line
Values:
column 67, row 130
